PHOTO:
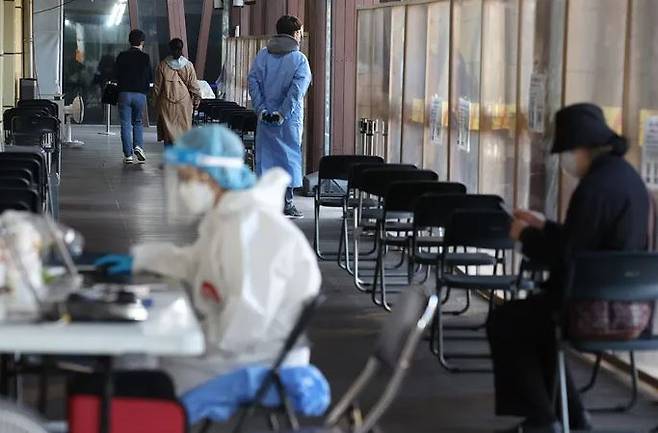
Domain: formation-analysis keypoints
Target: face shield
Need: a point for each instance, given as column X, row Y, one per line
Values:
column 192, row 186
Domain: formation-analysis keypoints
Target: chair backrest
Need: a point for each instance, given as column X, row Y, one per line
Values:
column 394, row 351
column 20, row 199
column 487, row 229
column 337, row 167
column 35, row 131
column 355, row 176
column 402, row 195
column 614, row 276
column 272, row 376
column 376, row 181
column 51, row 106
column 15, row 419
column 16, row 172
column 435, row 210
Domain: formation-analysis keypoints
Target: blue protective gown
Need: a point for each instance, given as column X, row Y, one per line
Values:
column 278, row 81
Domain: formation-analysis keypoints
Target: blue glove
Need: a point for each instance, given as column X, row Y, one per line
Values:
column 116, row 264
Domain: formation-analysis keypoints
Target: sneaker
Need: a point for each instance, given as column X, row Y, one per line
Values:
column 292, row 212
column 129, row 160
column 141, row 156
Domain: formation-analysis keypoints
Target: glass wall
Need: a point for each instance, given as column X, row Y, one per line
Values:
column 94, row 34
column 472, row 87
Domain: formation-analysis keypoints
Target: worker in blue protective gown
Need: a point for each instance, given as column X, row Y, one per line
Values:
column 278, row 81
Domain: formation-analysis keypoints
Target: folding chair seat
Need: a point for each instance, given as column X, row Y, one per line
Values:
column 333, row 168
column 611, row 277
column 387, row 366
column 480, row 230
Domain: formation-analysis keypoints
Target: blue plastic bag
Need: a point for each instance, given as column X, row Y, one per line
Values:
column 219, row 398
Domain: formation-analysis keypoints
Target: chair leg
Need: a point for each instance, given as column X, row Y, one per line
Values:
column 634, row 390
column 594, row 376
column 564, row 404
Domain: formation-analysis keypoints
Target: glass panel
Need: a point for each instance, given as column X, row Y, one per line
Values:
column 465, row 109
column 643, row 111
column 413, row 130
column 365, row 69
column 498, row 94
column 94, row 34
column 396, row 82
column 435, row 153
column 595, row 62
column 153, row 21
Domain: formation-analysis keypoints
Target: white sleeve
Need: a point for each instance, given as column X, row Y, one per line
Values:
column 166, row 259
column 273, row 269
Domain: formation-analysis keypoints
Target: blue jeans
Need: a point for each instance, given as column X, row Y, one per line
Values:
column 131, row 110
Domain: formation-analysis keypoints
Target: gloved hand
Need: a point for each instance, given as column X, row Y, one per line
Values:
column 116, row 264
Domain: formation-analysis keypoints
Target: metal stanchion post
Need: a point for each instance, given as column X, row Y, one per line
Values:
column 108, row 121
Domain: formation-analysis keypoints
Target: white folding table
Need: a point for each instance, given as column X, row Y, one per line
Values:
column 171, row 329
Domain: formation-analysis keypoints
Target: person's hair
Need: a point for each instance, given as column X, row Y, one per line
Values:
column 136, row 37
column 176, row 48
column 288, row 25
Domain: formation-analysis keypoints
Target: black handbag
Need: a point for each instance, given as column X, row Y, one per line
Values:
column 110, row 94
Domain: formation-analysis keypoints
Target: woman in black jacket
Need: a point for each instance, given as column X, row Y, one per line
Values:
column 608, row 211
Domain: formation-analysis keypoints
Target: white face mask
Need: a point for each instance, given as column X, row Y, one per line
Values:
column 570, row 165
column 198, row 197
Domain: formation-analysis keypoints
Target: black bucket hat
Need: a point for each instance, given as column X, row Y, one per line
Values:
column 584, row 126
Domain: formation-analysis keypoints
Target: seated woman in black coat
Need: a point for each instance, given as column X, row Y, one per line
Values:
column 608, row 211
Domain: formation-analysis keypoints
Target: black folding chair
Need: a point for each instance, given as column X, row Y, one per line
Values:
column 9, row 115
column 361, row 204
column 333, row 168
column 273, row 377
column 612, row 277
column 376, row 182
column 399, row 205
column 432, row 215
column 35, row 162
column 20, row 199
column 479, row 230
column 388, row 365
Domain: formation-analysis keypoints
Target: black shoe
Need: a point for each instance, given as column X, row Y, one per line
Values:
column 292, row 212
column 554, row 427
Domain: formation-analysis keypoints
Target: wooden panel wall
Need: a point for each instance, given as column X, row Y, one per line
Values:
column 344, row 75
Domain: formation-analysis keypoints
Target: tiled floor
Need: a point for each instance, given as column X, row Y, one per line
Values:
column 115, row 206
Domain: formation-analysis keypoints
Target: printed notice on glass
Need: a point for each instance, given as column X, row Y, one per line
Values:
column 435, row 119
column 464, row 125
column 537, row 103
column 651, row 135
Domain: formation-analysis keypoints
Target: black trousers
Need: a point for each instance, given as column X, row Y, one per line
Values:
column 523, row 347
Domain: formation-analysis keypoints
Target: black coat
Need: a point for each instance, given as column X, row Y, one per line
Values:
column 133, row 71
column 608, row 211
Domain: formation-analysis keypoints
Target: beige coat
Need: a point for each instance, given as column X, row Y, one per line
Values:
column 176, row 94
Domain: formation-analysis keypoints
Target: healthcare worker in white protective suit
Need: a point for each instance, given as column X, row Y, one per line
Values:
column 251, row 269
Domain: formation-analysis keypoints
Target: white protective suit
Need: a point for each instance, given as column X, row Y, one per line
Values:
column 250, row 270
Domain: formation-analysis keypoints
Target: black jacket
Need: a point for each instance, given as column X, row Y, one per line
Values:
column 133, row 71
column 608, row 211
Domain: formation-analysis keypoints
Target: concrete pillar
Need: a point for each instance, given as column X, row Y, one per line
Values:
column 13, row 50
column 28, row 39
column 2, row 70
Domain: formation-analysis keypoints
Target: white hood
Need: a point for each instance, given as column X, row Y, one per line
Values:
column 267, row 194
column 178, row 63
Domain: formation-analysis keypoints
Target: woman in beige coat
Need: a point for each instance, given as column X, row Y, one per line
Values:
column 176, row 94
